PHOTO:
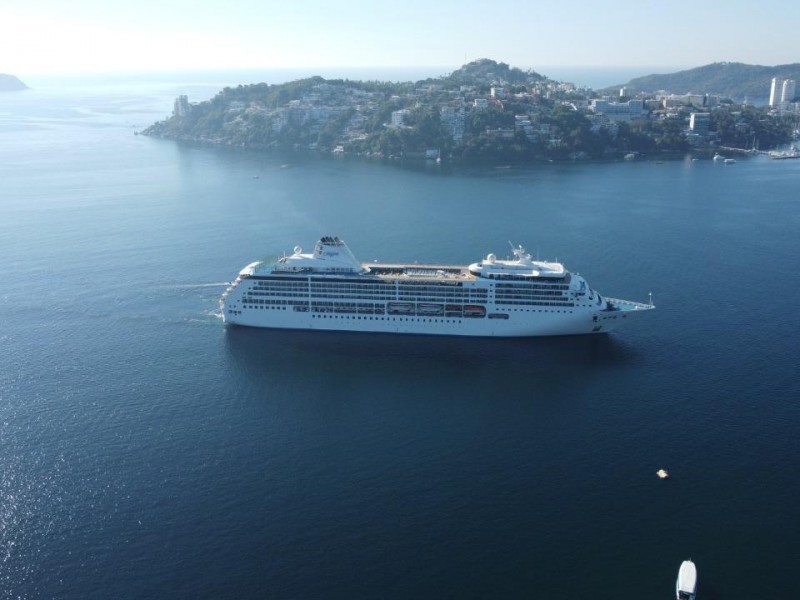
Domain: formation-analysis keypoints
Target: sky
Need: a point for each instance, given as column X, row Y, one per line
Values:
column 106, row 36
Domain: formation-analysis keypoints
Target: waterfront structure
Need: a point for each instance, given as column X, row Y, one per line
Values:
column 329, row 289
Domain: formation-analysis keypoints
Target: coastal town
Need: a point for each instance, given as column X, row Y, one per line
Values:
column 484, row 111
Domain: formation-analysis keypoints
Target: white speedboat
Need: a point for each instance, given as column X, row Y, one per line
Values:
column 686, row 585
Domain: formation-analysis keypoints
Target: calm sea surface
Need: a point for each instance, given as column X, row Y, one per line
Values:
column 149, row 451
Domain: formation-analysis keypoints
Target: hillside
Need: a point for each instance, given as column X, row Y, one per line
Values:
column 484, row 111
column 9, row 83
column 486, row 71
column 733, row 80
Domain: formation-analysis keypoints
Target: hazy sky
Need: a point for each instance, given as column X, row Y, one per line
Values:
column 67, row 36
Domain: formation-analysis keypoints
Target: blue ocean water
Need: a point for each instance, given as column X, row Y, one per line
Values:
column 149, row 451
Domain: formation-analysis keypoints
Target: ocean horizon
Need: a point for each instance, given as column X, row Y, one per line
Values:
column 594, row 77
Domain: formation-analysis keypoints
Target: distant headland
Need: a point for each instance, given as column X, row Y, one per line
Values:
column 9, row 83
column 490, row 111
column 730, row 79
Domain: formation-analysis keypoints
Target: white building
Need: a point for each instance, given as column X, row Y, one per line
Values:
column 788, row 90
column 699, row 122
column 618, row 111
column 676, row 101
column 775, row 91
column 398, row 116
column 523, row 123
column 453, row 119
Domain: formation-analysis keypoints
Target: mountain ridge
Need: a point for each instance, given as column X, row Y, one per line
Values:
column 731, row 79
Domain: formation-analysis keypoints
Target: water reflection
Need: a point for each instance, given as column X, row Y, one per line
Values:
column 280, row 353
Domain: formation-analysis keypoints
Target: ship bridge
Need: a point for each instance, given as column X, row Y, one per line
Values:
column 330, row 255
column 521, row 267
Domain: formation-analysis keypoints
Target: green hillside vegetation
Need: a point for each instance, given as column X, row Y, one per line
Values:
column 484, row 71
column 729, row 79
column 484, row 112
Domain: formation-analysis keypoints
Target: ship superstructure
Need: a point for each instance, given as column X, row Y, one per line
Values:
column 329, row 289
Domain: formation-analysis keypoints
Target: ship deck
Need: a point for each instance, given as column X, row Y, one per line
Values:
column 419, row 271
column 618, row 305
column 434, row 272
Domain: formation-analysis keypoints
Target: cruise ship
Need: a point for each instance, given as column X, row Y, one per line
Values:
column 329, row 289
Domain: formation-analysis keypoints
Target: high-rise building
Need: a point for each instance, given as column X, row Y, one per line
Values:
column 788, row 90
column 775, row 91
column 181, row 108
column 699, row 122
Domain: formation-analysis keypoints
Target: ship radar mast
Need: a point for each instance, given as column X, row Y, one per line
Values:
column 522, row 256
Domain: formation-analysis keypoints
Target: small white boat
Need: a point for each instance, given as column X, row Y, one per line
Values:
column 729, row 161
column 718, row 157
column 686, row 585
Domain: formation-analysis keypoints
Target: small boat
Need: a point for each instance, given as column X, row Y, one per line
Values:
column 474, row 311
column 424, row 308
column 729, row 161
column 399, row 308
column 630, row 156
column 686, row 585
column 718, row 157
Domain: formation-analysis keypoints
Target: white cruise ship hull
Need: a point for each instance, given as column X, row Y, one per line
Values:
column 329, row 290
column 517, row 325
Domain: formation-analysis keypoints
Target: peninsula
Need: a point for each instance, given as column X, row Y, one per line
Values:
column 9, row 83
column 484, row 111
